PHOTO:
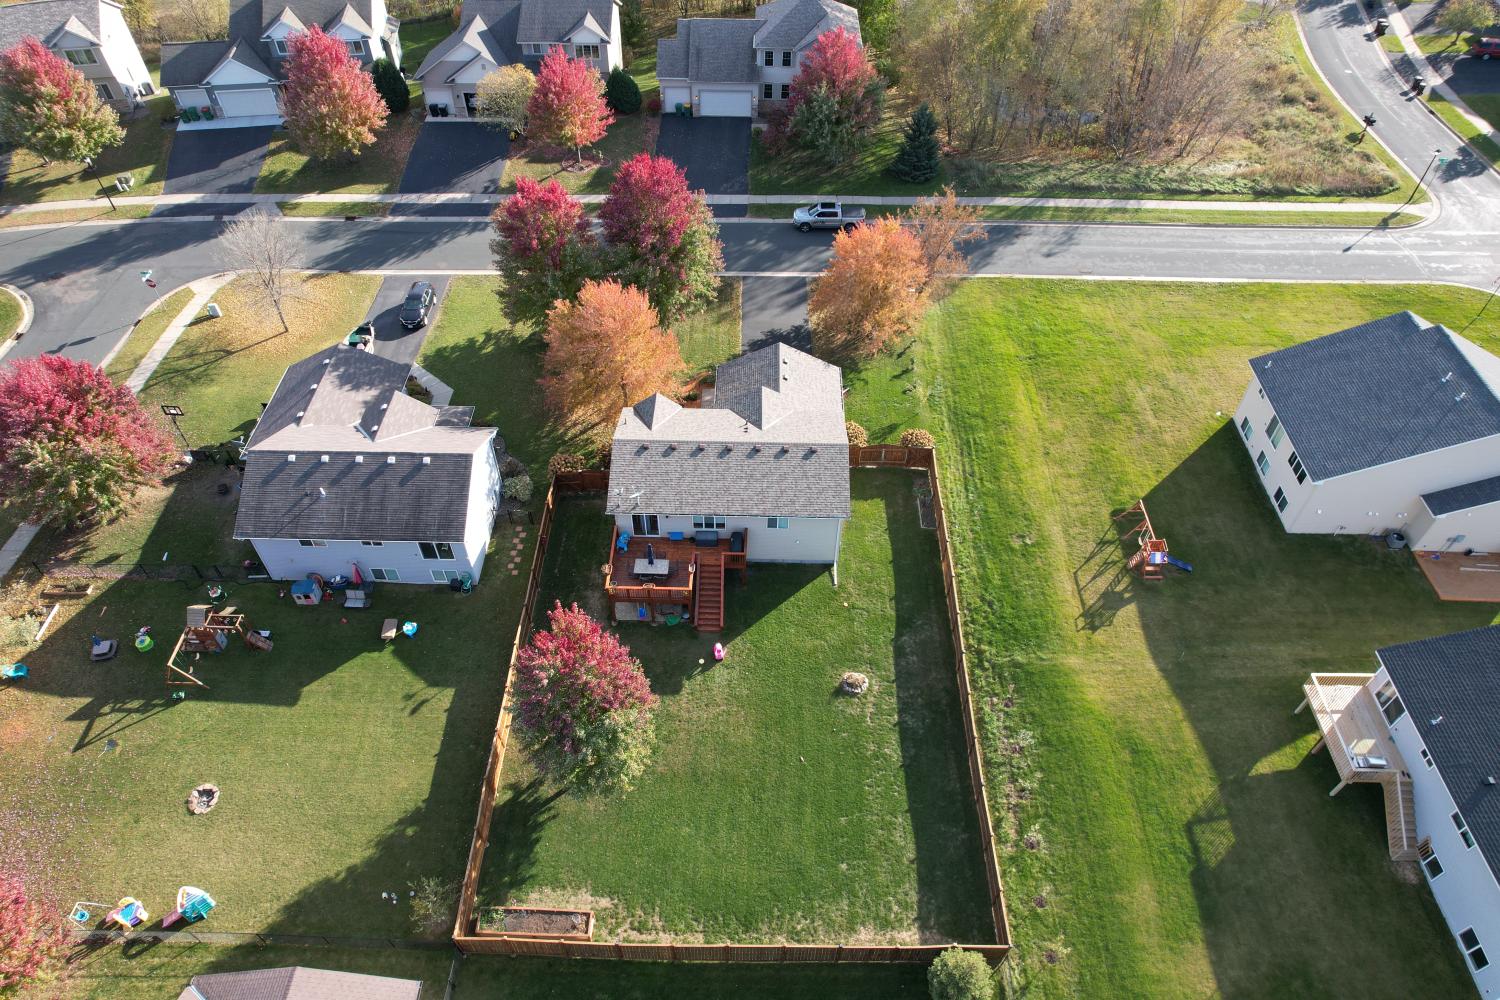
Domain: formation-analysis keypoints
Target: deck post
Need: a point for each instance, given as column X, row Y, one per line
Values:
column 1337, row 788
column 1318, row 746
column 1300, row 707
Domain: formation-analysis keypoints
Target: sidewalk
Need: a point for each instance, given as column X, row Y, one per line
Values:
column 15, row 545
column 203, row 289
column 1402, row 28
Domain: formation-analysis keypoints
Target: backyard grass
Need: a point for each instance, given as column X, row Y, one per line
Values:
column 57, row 216
column 1164, row 828
column 223, row 369
column 774, row 810
column 1485, row 105
column 377, row 170
column 711, row 336
column 321, row 209
column 420, row 37
column 147, row 330
column 142, row 154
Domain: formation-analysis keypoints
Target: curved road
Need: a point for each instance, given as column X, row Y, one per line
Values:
column 84, row 279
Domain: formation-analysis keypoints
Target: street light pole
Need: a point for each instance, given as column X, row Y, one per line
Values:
column 1435, row 154
column 89, row 161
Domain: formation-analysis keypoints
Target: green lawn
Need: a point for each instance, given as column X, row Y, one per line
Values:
column 57, row 216
column 420, row 37
column 774, row 810
column 147, row 330
column 1142, row 737
column 10, row 315
column 711, row 336
column 322, row 209
column 1486, row 105
column 143, row 154
column 1444, row 43
column 629, row 135
column 377, row 170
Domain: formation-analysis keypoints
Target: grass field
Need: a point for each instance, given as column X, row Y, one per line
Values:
column 1485, row 105
column 775, row 810
column 10, row 315
column 143, row 154
column 419, row 37
column 376, row 170
column 57, row 216
column 147, row 330
column 1164, row 828
column 363, row 209
column 711, row 336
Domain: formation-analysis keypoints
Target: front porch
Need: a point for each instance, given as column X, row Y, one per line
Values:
column 1354, row 732
column 667, row 580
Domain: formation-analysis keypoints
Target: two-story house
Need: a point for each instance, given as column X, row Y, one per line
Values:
column 1392, row 425
column 237, row 79
column 743, row 67
column 497, row 33
column 1423, row 726
column 345, row 469
column 90, row 34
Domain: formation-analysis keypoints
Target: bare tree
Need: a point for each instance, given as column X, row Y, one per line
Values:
column 267, row 250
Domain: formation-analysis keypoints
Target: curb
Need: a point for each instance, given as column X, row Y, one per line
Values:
column 28, row 312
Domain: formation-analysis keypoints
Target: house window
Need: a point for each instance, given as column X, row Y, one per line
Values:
column 1275, row 432
column 436, row 550
column 1245, row 429
column 786, row 57
column 1426, row 757
column 1280, row 499
column 770, row 58
column 312, row 543
column 708, row 522
column 590, row 52
column 1262, row 464
column 786, row 91
column 1430, row 863
column 766, row 90
column 444, row 575
column 373, row 544
column 1297, row 469
column 644, row 524
column 147, row 90
column 776, row 522
column 386, row 575
column 1470, row 942
column 105, row 94
column 81, row 57
column 1390, row 703
column 279, row 46
column 1463, row 830
column 356, row 46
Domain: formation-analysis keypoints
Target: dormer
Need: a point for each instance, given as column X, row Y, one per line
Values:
column 76, row 42
column 353, row 30
column 278, row 33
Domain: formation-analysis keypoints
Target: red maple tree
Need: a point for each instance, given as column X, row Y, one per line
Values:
column 47, row 106
column 542, row 247
column 567, row 106
column 663, row 234
column 837, row 63
column 74, row 446
column 331, row 105
column 32, row 938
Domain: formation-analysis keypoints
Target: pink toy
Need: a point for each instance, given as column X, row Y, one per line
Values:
column 718, row 652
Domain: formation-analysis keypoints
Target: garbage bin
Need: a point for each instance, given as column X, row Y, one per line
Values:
column 1381, row 27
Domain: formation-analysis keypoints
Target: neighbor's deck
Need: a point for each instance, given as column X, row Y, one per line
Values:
column 1457, row 577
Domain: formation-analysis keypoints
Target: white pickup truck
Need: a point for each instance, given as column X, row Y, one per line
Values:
column 827, row 215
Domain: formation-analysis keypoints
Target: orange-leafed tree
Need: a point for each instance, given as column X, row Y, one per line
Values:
column 942, row 226
column 872, row 292
column 605, row 350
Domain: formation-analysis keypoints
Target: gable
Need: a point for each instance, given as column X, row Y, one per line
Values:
column 286, row 23
column 65, row 39
column 475, row 71
column 230, row 72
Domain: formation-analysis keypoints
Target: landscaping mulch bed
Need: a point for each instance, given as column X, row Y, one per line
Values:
column 523, row 920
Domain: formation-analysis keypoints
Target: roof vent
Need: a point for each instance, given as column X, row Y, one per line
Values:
column 390, row 460
column 315, row 385
column 1489, row 779
column 299, row 414
column 1446, row 377
column 755, row 449
column 426, row 459
column 1435, row 720
column 669, row 449
column 1461, row 397
column 322, row 492
column 323, row 458
column 328, row 361
column 291, row 458
column 384, row 405
column 359, row 460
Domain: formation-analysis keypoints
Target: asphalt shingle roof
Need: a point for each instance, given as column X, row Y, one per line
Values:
column 185, row 64
column 299, row 983
column 771, row 444
column 1456, row 679
column 552, row 20
column 489, row 25
column 42, row 18
column 1454, row 498
column 397, row 469
column 791, row 24
column 1380, row 392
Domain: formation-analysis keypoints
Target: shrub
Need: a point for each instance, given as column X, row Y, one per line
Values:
column 960, row 975
column 434, row 903
column 565, row 461
column 622, row 93
column 512, row 466
column 518, row 488
column 504, row 94
column 858, row 436
column 916, row 437
column 390, row 85
column 654, row 105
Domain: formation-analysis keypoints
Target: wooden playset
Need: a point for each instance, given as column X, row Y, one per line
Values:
column 1150, row 560
column 208, row 631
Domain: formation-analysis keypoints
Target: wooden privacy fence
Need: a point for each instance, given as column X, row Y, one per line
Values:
column 468, row 939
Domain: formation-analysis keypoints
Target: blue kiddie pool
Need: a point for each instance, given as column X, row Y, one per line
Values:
column 410, row 629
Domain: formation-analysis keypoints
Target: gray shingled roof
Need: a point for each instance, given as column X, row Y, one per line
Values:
column 185, row 64
column 714, row 50
column 397, row 469
column 771, row 444
column 551, row 20
column 42, row 18
column 247, row 54
column 1454, row 498
column 495, row 31
column 1379, row 392
column 1457, row 678
column 298, row 983
column 792, row 24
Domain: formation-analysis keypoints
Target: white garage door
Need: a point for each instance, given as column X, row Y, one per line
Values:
column 724, row 103
column 673, row 96
column 240, row 103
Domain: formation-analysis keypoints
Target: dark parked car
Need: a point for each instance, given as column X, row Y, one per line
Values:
column 418, row 305
column 1486, row 48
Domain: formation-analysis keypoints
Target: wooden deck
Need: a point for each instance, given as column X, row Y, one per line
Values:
column 1457, row 577
column 692, row 588
column 1356, row 737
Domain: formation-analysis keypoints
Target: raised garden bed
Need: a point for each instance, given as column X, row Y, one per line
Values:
column 538, row 922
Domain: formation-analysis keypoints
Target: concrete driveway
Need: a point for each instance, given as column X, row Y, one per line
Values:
column 217, row 161
column 392, row 340
column 773, row 309
column 715, row 152
column 455, row 156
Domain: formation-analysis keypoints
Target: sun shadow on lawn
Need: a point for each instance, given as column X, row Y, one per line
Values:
column 1234, row 641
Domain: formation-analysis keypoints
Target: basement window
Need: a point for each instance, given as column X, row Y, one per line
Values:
column 1280, row 499
column 1245, row 429
column 436, row 550
column 312, row 543
column 1463, row 830
column 1430, row 863
column 374, row 545
column 385, row 575
column 444, row 575
column 1470, row 942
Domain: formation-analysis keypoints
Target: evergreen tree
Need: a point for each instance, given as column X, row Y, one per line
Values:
column 621, row 92
column 390, row 85
column 917, row 160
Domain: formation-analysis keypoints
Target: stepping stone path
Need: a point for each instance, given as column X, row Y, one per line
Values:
column 516, row 544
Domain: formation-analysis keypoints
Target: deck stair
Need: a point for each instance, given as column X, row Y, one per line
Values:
column 708, row 616
column 1400, row 819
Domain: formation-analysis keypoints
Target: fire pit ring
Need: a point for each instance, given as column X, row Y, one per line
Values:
column 203, row 798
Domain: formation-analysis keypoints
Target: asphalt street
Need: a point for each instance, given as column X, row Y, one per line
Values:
column 85, row 284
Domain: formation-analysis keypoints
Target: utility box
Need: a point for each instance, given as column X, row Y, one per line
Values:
column 213, row 310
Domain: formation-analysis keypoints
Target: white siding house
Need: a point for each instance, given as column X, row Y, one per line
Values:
column 743, row 67
column 1393, row 425
column 89, row 34
column 498, row 33
column 1423, row 724
column 345, row 469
